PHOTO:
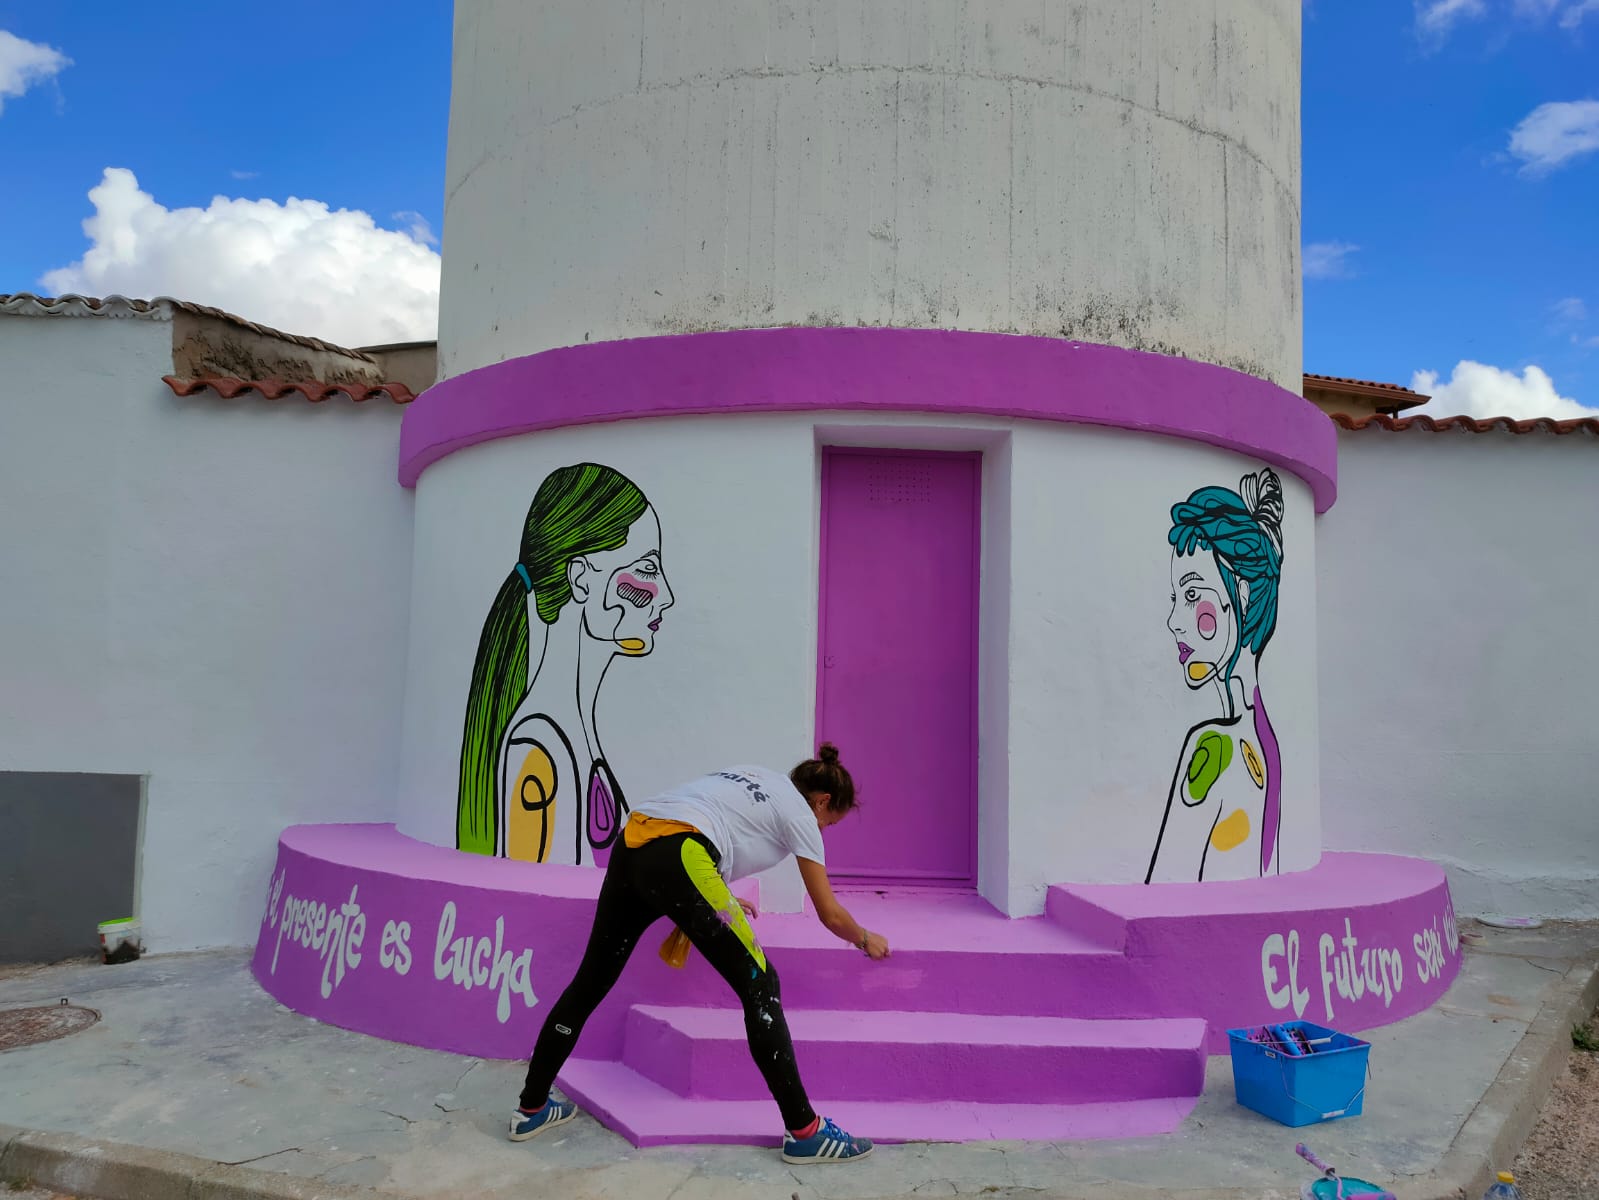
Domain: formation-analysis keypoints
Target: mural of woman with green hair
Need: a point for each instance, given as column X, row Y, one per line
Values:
column 1223, row 813
column 587, row 587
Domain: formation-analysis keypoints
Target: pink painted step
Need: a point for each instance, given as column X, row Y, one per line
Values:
column 1180, row 918
column 1253, row 950
column 896, row 1056
column 649, row 1115
column 952, row 952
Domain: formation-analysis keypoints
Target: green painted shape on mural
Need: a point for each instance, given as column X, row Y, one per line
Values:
column 1211, row 758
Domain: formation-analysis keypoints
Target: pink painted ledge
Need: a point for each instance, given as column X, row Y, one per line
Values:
column 930, row 371
column 1092, row 1020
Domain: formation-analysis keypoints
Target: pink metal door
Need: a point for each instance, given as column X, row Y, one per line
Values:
column 897, row 681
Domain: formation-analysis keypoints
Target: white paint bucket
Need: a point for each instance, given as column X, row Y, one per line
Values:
column 120, row 941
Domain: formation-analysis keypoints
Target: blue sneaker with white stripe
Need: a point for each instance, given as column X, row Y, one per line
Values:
column 829, row 1144
column 555, row 1112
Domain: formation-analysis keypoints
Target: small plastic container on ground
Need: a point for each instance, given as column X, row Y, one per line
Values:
column 120, row 941
column 1325, row 1085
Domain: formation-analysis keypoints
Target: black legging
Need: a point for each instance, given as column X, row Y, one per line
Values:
column 673, row 877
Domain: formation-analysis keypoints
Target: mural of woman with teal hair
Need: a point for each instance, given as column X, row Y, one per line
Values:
column 586, row 589
column 1223, row 813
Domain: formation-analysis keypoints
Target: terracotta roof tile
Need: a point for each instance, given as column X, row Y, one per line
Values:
column 1365, row 383
column 1385, row 396
column 26, row 304
column 275, row 389
column 1469, row 424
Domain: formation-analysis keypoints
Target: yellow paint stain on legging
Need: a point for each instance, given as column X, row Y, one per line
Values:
column 703, row 874
column 1231, row 832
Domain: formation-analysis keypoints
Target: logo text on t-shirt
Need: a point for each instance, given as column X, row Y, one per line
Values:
column 753, row 788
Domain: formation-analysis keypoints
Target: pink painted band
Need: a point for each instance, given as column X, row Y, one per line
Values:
column 873, row 370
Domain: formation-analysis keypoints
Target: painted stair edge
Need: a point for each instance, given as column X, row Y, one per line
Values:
column 648, row 1115
column 1081, row 915
column 1145, row 919
column 889, row 1057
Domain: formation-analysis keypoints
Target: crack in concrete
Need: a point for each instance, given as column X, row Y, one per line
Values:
column 397, row 1116
column 259, row 1157
column 474, row 1065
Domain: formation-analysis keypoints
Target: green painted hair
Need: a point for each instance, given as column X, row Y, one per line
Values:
column 578, row 510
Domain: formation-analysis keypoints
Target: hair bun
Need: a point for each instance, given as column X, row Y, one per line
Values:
column 1263, row 496
column 828, row 754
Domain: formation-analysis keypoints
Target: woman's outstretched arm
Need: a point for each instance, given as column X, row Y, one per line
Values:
column 834, row 915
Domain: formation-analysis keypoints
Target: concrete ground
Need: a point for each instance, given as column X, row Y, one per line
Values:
column 196, row 1084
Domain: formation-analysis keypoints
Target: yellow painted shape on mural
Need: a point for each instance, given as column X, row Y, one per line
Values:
column 530, row 816
column 631, row 645
column 1231, row 832
column 1257, row 769
column 1198, row 670
column 703, row 874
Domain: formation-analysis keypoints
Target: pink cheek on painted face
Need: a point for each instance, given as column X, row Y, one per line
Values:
column 637, row 592
column 1205, row 619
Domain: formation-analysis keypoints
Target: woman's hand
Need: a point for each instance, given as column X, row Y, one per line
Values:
column 750, row 910
column 834, row 915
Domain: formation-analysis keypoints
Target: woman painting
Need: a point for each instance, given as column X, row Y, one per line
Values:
column 1223, row 812
column 586, row 589
column 679, row 852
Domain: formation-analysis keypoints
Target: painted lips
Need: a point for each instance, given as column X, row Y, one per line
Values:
column 1184, row 652
column 655, row 624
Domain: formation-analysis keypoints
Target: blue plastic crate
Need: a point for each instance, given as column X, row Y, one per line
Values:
column 1301, row 1089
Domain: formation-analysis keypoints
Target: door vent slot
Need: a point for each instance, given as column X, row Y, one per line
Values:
column 897, row 480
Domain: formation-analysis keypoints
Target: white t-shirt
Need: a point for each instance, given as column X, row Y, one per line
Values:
column 754, row 817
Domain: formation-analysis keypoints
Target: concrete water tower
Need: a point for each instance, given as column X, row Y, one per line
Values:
column 1113, row 187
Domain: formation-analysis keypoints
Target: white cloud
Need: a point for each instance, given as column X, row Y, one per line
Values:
column 1575, row 14
column 1570, row 309
column 417, row 226
column 1478, row 390
column 298, row 266
column 1555, row 133
column 1571, row 12
column 1435, row 18
column 1328, row 260
column 245, row 174
column 24, row 63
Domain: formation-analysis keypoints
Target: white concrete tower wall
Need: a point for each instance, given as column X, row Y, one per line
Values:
column 1100, row 170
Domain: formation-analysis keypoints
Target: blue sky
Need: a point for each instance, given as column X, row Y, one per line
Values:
column 1451, row 176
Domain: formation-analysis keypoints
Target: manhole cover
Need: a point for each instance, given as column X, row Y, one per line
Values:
column 29, row 1026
